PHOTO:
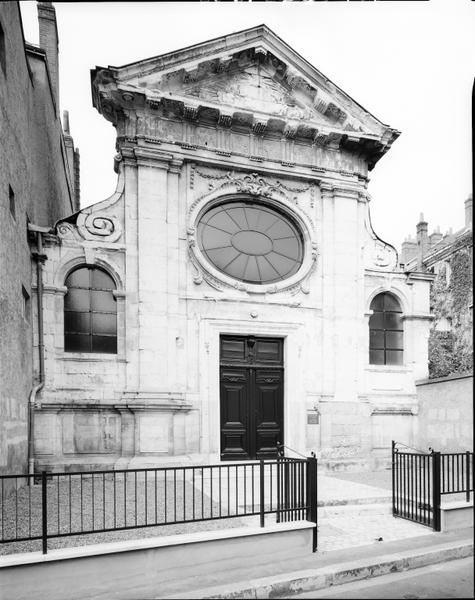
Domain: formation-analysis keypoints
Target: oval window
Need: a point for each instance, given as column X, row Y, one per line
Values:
column 251, row 242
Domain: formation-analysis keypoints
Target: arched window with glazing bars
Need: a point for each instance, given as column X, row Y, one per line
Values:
column 386, row 331
column 90, row 311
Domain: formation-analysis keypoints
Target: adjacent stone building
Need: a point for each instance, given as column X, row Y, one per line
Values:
column 450, row 258
column 36, row 189
column 231, row 294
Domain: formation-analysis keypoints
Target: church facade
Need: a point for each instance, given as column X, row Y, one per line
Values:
column 231, row 294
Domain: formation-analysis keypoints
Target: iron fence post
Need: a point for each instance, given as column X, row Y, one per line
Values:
column 436, row 491
column 312, row 497
column 467, row 476
column 393, row 475
column 44, row 512
column 261, row 492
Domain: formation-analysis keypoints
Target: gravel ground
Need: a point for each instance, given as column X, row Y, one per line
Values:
column 88, row 503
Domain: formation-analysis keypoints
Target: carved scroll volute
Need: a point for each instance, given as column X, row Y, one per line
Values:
column 97, row 226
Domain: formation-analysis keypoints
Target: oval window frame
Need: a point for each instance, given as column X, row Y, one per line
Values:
column 206, row 270
column 273, row 261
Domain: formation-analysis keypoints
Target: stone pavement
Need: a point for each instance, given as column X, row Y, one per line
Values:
column 352, row 513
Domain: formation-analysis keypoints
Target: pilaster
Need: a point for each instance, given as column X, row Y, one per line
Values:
column 328, row 288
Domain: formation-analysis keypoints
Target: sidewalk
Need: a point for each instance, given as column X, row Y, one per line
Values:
column 358, row 538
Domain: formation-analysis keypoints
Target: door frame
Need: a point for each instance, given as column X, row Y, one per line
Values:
column 210, row 331
column 252, row 370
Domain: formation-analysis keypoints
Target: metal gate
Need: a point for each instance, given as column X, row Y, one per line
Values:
column 419, row 480
column 415, row 490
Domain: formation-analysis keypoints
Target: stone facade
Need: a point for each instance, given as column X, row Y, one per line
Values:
column 35, row 188
column 243, row 117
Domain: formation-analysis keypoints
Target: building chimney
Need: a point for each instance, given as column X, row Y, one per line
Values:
column 72, row 155
column 408, row 250
column 468, row 212
column 49, row 43
column 422, row 241
column 435, row 237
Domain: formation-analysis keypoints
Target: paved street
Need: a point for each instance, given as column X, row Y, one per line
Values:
column 452, row 579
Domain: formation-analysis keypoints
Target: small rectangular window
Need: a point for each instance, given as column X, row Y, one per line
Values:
column 11, row 197
column 3, row 54
column 26, row 308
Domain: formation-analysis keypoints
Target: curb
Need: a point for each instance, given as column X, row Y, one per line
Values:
column 283, row 586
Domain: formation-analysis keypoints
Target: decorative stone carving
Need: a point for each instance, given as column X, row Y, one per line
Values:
column 67, row 231
column 97, row 226
column 190, row 112
column 253, row 185
column 378, row 254
column 225, row 119
column 259, row 127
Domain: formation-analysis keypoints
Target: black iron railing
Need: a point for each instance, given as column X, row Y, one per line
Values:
column 54, row 505
column 419, row 480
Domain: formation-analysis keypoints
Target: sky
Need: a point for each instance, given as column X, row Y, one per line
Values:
column 411, row 64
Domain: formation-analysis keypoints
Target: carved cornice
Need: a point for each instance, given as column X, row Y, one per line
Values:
column 177, row 78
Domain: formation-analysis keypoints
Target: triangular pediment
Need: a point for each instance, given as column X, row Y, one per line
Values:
column 252, row 87
column 252, row 72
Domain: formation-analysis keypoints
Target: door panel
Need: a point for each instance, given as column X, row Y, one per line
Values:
column 234, row 413
column 268, row 411
column 269, row 351
column 251, row 397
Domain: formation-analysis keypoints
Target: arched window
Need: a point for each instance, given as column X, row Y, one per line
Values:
column 386, row 331
column 90, row 312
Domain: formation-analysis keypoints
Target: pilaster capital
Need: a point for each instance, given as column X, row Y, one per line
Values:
column 175, row 165
column 147, row 157
column 339, row 188
column 326, row 189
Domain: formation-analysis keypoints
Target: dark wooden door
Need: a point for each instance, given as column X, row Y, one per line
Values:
column 252, row 397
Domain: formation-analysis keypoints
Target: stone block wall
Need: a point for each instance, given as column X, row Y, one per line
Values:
column 445, row 420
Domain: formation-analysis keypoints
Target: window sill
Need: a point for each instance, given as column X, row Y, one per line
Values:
column 388, row 368
column 90, row 357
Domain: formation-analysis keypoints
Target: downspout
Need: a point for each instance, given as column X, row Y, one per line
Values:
column 40, row 258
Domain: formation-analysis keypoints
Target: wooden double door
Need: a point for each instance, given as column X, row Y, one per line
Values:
column 252, row 397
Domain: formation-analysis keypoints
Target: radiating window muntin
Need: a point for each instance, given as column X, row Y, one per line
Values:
column 386, row 331
column 250, row 241
column 90, row 312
